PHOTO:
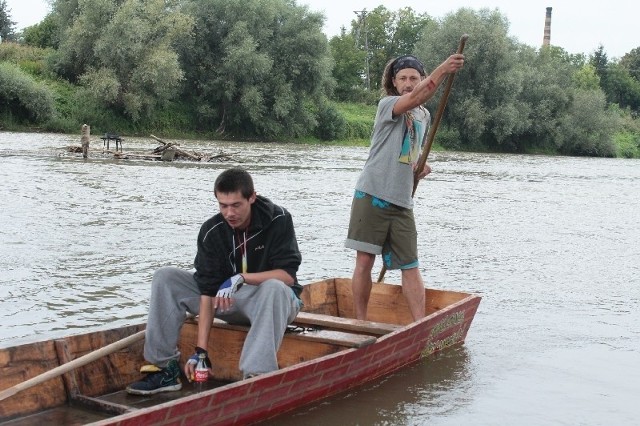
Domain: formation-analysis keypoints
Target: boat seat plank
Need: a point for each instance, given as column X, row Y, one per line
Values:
column 333, row 337
column 348, row 324
column 101, row 405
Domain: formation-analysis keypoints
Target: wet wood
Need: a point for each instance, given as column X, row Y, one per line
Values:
column 18, row 364
column 71, row 365
column 84, row 140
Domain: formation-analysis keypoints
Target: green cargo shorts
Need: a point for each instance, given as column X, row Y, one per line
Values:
column 379, row 227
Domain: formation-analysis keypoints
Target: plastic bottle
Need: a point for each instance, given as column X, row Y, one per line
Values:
column 202, row 373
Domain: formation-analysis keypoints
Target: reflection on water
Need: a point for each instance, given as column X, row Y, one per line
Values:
column 550, row 243
column 413, row 395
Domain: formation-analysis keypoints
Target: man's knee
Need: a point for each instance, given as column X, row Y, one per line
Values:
column 364, row 262
column 164, row 274
column 274, row 286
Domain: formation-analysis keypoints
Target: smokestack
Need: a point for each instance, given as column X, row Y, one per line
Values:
column 546, row 40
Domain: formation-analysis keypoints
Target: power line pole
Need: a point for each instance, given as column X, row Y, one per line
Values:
column 362, row 19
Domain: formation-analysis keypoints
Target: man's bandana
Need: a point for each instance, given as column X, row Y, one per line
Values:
column 408, row 61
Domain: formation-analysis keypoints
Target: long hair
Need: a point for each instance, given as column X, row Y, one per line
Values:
column 388, row 88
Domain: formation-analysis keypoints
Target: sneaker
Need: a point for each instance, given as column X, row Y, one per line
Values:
column 250, row 376
column 163, row 380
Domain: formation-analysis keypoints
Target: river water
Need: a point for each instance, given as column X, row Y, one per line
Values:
column 552, row 244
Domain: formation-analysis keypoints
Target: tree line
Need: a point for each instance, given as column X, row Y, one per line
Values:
column 263, row 69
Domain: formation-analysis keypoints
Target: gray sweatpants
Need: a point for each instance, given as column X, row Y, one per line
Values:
column 268, row 308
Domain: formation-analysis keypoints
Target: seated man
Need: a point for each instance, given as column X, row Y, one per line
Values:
column 245, row 273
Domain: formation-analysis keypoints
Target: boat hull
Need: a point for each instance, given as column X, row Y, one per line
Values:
column 306, row 375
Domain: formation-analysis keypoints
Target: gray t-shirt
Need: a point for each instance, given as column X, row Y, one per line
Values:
column 395, row 149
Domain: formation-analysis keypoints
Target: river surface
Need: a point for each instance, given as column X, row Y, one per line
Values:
column 552, row 244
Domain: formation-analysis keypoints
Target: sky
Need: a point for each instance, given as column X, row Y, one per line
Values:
column 578, row 26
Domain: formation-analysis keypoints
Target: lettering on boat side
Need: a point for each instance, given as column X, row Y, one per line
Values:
column 442, row 343
column 446, row 323
column 450, row 321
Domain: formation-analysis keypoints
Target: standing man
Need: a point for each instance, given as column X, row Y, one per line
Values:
column 245, row 273
column 382, row 219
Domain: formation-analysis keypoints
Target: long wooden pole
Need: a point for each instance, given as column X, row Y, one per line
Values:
column 422, row 161
column 78, row 362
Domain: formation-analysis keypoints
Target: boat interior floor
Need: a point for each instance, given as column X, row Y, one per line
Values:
column 83, row 410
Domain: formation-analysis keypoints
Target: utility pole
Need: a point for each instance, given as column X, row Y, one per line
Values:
column 362, row 19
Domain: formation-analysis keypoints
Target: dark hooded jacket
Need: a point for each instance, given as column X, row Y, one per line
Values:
column 271, row 244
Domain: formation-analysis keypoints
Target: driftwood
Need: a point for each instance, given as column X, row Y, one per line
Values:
column 166, row 151
column 194, row 156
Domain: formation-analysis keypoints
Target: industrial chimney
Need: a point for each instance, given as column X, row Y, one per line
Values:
column 546, row 40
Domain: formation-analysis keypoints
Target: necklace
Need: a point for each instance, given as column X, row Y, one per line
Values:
column 243, row 250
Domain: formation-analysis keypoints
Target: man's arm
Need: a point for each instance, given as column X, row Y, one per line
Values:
column 256, row 278
column 204, row 322
column 205, row 318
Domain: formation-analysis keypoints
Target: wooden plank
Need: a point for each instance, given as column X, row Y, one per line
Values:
column 108, row 373
column 387, row 304
column 20, row 363
column 101, row 405
column 321, row 297
column 332, row 337
column 348, row 324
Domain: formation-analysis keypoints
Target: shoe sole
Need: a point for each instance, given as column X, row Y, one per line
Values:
column 154, row 391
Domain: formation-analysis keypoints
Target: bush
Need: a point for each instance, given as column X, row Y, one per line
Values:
column 30, row 59
column 447, row 138
column 331, row 124
column 627, row 144
column 359, row 119
column 22, row 99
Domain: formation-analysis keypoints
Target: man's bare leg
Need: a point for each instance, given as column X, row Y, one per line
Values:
column 361, row 283
column 413, row 290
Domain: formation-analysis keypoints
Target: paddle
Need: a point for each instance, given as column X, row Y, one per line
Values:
column 78, row 362
column 422, row 161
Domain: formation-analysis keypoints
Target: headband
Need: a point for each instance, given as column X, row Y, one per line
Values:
column 408, row 61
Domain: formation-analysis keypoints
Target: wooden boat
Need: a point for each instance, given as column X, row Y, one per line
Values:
column 332, row 353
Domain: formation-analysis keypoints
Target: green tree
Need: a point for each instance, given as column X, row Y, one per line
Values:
column 512, row 97
column 484, row 106
column 586, row 78
column 255, row 66
column 349, row 66
column 385, row 34
column 587, row 128
column 621, row 88
column 82, row 22
column 631, row 62
column 130, row 62
column 43, row 34
column 600, row 62
column 7, row 26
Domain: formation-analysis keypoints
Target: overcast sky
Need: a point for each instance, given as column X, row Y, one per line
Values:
column 578, row 26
